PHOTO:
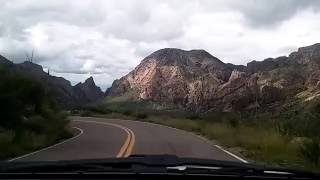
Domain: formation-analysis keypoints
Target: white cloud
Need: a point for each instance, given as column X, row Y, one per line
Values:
column 107, row 39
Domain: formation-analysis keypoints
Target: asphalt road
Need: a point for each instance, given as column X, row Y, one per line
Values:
column 103, row 138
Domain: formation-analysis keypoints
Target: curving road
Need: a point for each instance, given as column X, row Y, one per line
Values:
column 103, row 138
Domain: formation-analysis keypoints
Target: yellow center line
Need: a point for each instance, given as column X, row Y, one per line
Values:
column 131, row 145
column 127, row 147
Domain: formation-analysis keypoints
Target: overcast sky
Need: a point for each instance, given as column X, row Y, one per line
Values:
column 107, row 38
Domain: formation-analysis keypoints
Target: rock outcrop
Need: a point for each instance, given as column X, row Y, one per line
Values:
column 199, row 81
column 89, row 90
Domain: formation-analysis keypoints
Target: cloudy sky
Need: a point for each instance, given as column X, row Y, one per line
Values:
column 107, row 38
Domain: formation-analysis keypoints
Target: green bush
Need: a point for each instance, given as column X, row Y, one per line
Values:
column 233, row 122
column 85, row 113
column 36, row 123
column 98, row 109
column 310, row 151
column 193, row 116
column 6, row 137
column 127, row 113
column 141, row 116
column 29, row 117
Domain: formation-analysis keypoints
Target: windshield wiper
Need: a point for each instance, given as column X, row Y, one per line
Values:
column 155, row 164
column 235, row 171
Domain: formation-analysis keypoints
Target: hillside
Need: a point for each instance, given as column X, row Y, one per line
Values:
column 29, row 117
column 61, row 89
column 198, row 81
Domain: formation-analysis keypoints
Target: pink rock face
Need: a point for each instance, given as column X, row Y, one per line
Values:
column 176, row 76
column 197, row 80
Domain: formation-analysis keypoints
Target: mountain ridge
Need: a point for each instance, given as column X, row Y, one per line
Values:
column 199, row 81
column 65, row 94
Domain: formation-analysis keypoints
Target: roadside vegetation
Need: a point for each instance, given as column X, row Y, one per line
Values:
column 29, row 118
column 287, row 138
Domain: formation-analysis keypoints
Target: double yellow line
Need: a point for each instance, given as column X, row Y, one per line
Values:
column 127, row 147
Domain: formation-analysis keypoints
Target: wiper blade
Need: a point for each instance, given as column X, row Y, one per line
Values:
column 217, row 170
column 163, row 164
column 76, row 167
column 111, row 164
column 247, row 170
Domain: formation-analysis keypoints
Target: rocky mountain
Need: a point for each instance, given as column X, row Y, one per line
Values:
column 65, row 94
column 197, row 80
column 89, row 90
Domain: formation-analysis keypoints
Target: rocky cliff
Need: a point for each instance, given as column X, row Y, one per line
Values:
column 197, row 80
column 89, row 90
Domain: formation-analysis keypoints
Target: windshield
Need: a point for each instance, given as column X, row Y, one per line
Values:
column 217, row 80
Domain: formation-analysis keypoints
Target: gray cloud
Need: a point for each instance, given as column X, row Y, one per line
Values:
column 107, row 39
column 273, row 12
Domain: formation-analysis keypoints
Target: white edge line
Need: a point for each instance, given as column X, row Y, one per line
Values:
column 19, row 157
column 203, row 138
column 198, row 136
column 231, row 154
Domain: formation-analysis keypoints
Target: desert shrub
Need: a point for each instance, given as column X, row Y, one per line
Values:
column 6, row 136
column 141, row 115
column 36, row 123
column 310, row 151
column 193, row 116
column 98, row 109
column 85, row 113
column 185, row 124
column 29, row 117
column 127, row 113
column 233, row 122
column 301, row 123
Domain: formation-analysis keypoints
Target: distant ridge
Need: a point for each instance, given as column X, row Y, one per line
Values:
column 65, row 94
